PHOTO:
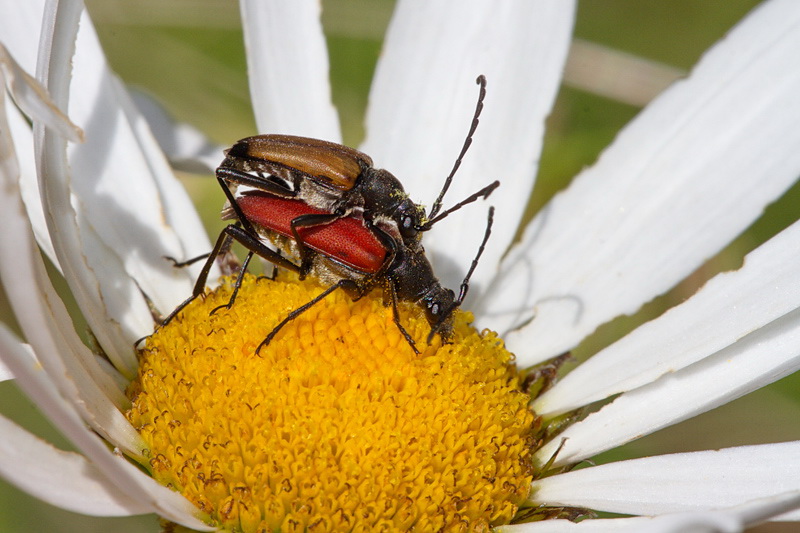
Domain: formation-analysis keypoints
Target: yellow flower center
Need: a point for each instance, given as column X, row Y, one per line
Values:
column 337, row 424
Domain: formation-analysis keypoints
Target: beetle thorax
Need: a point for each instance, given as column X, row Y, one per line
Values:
column 383, row 196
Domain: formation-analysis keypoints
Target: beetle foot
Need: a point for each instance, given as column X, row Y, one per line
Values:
column 224, row 306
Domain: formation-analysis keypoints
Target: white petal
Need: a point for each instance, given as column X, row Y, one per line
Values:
column 36, row 384
column 681, row 482
column 49, row 328
column 423, row 98
column 5, row 373
column 93, row 388
column 107, row 318
column 700, row 522
column 29, row 187
column 128, row 478
column 128, row 212
column 759, row 358
column 130, row 195
column 730, row 306
column 685, row 177
column 728, row 520
column 63, row 479
column 567, row 526
column 185, row 146
column 287, row 65
column 20, row 32
column 176, row 222
column 32, row 99
column 46, row 322
column 781, row 507
column 617, row 75
column 20, row 25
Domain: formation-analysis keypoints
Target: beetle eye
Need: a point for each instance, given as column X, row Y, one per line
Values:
column 407, row 226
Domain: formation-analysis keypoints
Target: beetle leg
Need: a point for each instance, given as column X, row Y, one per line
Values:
column 308, row 221
column 228, row 265
column 253, row 244
column 223, row 242
column 381, row 274
column 341, row 284
column 358, row 290
column 237, row 285
column 226, row 260
column 231, row 175
column 182, row 264
column 389, row 289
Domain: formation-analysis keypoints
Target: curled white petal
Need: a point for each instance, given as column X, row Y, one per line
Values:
column 17, row 151
column 33, row 99
column 22, row 137
column 19, row 27
column 47, row 324
column 5, row 371
column 113, row 208
column 43, row 317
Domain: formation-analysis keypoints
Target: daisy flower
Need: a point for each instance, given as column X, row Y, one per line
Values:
column 464, row 436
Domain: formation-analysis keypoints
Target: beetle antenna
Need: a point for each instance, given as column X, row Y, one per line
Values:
column 437, row 205
column 483, row 193
column 465, row 284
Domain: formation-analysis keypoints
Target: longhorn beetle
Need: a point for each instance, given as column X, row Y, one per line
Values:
column 336, row 179
column 353, row 226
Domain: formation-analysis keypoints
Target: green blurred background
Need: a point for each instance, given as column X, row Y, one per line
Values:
column 189, row 54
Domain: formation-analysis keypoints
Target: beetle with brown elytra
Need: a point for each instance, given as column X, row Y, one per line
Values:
column 352, row 226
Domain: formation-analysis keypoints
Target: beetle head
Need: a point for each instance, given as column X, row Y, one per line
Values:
column 383, row 193
column 440, row 303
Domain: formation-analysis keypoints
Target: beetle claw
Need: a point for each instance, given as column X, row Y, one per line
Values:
column 224, row 306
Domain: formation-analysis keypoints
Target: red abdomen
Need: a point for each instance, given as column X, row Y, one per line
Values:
column 346, row 240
